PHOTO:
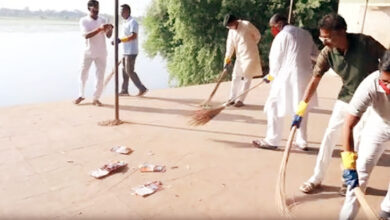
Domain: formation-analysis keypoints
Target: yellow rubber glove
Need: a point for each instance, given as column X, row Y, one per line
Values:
column 301, row 108
column 270, row 78
column 124, row 39
column 227, row 60
column 349, row 160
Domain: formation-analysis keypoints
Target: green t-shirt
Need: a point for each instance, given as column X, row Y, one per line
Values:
column 360, row 59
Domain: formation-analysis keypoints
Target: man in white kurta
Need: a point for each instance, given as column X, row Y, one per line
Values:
column 242, row 41
column 291, row 60
column 94, row 29
column 373, row 91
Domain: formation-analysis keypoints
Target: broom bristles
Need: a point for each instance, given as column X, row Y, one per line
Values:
column 202, row 116
column 281, row 182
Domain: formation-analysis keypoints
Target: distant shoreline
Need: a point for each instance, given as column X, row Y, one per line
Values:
column 34, row 18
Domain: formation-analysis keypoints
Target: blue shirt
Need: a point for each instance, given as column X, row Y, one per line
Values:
column 130, row 26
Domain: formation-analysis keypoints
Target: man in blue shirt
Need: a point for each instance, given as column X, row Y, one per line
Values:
column 130, row 52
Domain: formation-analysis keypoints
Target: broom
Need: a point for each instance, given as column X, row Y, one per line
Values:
column 363, row 202
column 221, row 77
column 108, row 78
column 280, row 195
column 202, row 116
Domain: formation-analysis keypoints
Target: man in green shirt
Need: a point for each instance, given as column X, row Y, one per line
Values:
column 352, row 57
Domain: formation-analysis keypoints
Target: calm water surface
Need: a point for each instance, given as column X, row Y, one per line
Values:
column 40, row 62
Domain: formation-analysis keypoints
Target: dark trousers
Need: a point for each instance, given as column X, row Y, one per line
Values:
column 128, row 71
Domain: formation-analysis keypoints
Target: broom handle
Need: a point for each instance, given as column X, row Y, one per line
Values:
column 246, row 91
column 363, row 202
column 108, row 78
column 221, row 76
column 281, row 182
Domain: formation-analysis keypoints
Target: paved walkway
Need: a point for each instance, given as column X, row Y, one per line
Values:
column 47, row 151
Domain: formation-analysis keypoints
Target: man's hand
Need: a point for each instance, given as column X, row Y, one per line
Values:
column 299, row 114
column 349, row 163
column 351, row 178
column 108, row 27
column 226, row 63
column 268, row 78
column 118, row 41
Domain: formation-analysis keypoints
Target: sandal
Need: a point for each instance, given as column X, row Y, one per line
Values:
column 261, row 143
column 308, row 187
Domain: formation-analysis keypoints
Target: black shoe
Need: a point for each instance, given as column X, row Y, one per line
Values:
column 141, row 93
column 123, row 93
column 97, row 103
column 239, row 104
column 78, row 100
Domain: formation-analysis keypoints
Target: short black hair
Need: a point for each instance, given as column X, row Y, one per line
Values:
column 92, row 3
column 332, row 22
column 276, row 18
column 228, row 19
column 127, row 7
column 384, row 63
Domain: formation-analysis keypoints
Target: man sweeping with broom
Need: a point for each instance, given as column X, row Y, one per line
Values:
column 352, row 57
column 242, row 40
column 373, row 91
column 291, row 58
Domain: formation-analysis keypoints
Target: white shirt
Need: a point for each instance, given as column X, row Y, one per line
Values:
column 290, row 62
column 130, row 26
column 370, row 93
column 96, row 45
column 243, row 41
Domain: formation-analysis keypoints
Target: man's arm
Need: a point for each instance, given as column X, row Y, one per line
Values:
column 350, row 123
column 229, row 49
column 322, row 65
column 109, row 30
column 311, row 88
column 94, row 32
column 130, row 37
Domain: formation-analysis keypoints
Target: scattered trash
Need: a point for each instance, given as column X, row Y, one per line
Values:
column 174, row 167
column 107, row 169
column 146, row 167
column 147, row 189
column 150, row 153
column 121, row 150
column 69, row 161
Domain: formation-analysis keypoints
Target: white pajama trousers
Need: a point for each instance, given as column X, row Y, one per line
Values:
column 239, row 85
column 372, row 145
column 331, row 136
column 100, row 64
column 275, row 127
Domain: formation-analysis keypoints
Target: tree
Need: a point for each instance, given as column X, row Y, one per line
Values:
column 190, row 34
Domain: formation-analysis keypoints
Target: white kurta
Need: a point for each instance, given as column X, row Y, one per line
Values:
column 290, row 62
column 243, row 42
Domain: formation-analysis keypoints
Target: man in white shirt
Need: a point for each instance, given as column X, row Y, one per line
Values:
column 130, row 52
column 242, row 40
column 291, row 58
column 374, row 91
column 94, row 28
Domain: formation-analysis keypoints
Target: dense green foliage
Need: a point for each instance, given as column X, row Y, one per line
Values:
column 190, row 34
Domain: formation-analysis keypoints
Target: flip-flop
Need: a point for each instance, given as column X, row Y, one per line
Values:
column 308, row 187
